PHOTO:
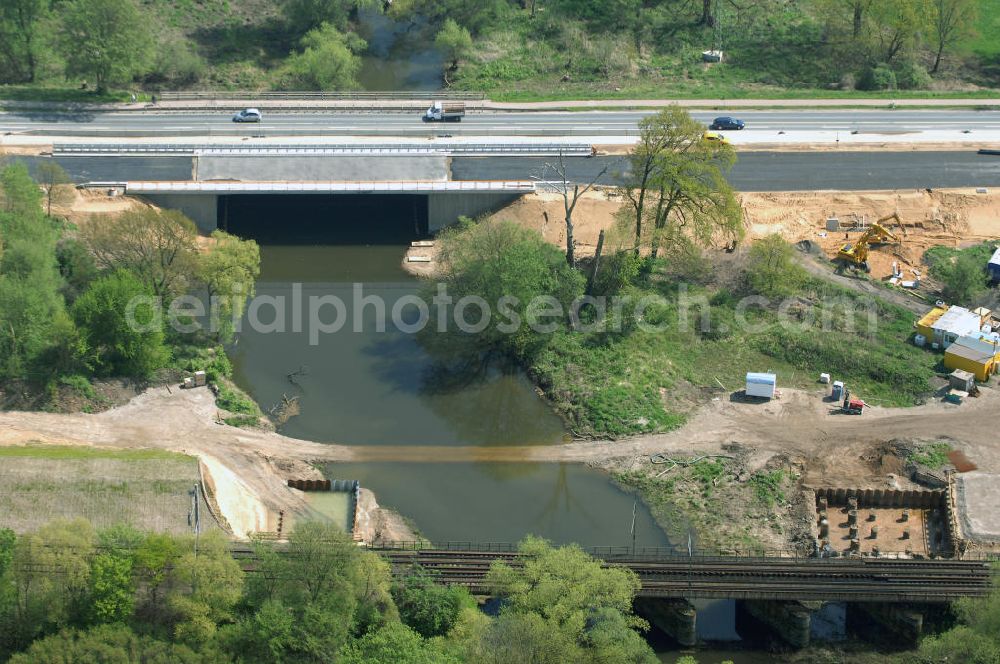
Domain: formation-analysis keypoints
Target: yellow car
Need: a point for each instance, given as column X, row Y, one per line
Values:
column 714, row 136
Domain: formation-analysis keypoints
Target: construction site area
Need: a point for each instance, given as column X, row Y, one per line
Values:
column 918, row 219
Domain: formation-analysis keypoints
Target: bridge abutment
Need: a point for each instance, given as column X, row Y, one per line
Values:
column 202, row 209
column 445, row 209
column 902, row 623
column 675, row 617
column 790, row 621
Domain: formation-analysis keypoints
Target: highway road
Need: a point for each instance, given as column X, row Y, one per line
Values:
column 761, row 125
column 755, row 171
column 782, row 171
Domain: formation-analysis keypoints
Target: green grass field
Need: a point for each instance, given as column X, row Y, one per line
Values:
column 147, row 489
column 619, row 385
column 986, row 43
column 73, row 452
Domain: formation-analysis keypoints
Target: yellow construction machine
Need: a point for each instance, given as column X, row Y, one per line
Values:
column 856, row 255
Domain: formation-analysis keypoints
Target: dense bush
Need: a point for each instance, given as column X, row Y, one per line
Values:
column 912, row 76
column 877, row 77
column 122, row 327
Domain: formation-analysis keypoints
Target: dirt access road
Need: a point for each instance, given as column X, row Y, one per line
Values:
column 248, row 469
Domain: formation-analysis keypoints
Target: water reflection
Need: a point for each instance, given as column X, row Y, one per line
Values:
column 502, row 502
column 374, row 387
column 400, row 56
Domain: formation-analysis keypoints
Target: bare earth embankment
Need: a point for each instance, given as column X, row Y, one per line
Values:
column 248, row 469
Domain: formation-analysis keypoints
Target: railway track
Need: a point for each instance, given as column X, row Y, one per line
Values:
column 802, row 579
column 713, row 577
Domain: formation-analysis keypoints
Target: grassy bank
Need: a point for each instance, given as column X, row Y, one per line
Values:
column 728, row 509
column 647, row 381
column 82, row 453
column 555, row 50
column 148, row 489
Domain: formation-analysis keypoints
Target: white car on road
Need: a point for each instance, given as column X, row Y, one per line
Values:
column 248, row 115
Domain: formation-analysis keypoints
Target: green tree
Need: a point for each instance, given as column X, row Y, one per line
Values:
column 112, row 644
column 893, row 28
column 952, row 21
column 122, row 326
column 676, row 186
column 204, row 586
column 454, row 42
column 155, row 557
column 429, row 608
column 22, row 39
column 268, row 635
column 394, row 644
column 34, row 326
column 76, row 266
column 586, row 609
column 328, row 61
column 976, row 639
column 305, row 15
column 610, row 639
column 524, row 282
column 771, row 269
column 519, row 637
column 7, row 542
column 964, row 278
column 475, row 16
column 20, row 197
column 51, row 579
column 54, row 181
column 855, row 10
column 328, row 587
column 112, row 589
column 159, row 247
column 109, row 40
column 563, row 585
column 229, row 271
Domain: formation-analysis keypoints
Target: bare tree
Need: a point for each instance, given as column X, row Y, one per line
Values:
column 159, row 247
column 706, row 13
column 53, row 179
column 571, row 193
column 953, row 20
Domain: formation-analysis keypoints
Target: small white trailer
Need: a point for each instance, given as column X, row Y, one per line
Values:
column 761, row 385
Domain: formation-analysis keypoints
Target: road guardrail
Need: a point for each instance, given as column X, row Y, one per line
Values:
column 455, row 149
column 211, row 95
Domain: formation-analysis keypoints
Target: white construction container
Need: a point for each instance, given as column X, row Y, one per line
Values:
column 761, row 385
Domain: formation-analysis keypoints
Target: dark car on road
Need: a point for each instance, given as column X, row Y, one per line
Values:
column 726, row 123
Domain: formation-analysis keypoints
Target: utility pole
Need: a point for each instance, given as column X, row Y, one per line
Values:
column 196, row 522
column 634, row 504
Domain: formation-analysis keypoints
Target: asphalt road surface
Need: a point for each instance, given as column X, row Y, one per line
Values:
column 760, row 124
column 781, row 171
column 755, row 171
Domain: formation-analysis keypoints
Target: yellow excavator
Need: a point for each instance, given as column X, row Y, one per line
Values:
column 856, row 255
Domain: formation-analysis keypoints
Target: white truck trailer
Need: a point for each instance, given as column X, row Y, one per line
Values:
column 441, row 111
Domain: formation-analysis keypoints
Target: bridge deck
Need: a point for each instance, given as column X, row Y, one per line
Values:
column 840, row 579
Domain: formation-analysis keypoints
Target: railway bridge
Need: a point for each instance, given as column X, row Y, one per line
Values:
column 665, row 573
column 778, row 594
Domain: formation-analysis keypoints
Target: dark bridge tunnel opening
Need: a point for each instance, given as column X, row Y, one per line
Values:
column 350, row 219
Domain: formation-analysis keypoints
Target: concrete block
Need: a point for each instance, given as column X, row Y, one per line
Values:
column 675, row 617
column 790, row 621
column 902, row 623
